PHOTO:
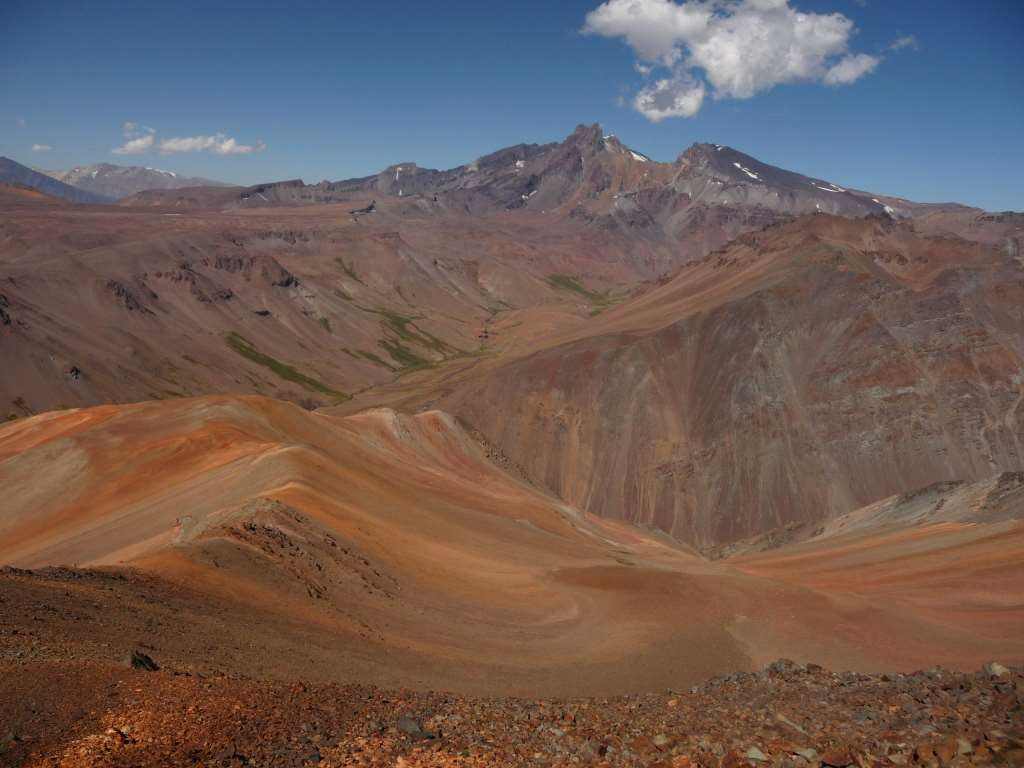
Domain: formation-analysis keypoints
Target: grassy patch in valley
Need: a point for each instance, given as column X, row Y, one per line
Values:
column 599, row 301
column 246, row 349
column 403, row 355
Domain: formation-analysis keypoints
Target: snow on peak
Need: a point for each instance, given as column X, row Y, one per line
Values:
column 830, row 188
column 749, row 172
column 611, row 142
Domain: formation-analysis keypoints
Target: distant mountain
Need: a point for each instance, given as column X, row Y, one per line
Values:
column 699, row 202
column 117, row 181
column 12, row 172
column 596, row 175
column 590, row 176
column 709, row 195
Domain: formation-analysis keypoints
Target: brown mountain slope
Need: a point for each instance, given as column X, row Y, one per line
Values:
column 386, row 548
column 289, row 290
column 14, row 196
column 800, row 373
column 108, row 304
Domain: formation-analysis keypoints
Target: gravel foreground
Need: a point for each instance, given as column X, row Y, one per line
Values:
column 89, row 714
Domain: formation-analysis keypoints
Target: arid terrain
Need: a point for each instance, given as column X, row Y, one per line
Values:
column 554, row 458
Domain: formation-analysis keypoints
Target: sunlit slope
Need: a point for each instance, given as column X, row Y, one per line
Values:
column 396, row 549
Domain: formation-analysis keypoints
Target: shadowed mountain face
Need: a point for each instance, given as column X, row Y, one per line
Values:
column 117, row 181
column 797, row 374
column 23, row 176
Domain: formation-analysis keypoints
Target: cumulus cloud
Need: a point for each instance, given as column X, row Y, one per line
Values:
column 676, row 96
column 132, row 130
column 653, row 28
column 737, row 47
column 142, row 138
column 138, row 139
column 909, row 41
column 849, row 69
column 219, row 144
column 41, row 147
column 135, row 146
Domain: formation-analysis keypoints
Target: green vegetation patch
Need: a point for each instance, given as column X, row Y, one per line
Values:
column 572, row 283
column 245, row 348
column 402, row 355
column 601, row 301
column 406, row 329
column 348, row 269
column 375, row 359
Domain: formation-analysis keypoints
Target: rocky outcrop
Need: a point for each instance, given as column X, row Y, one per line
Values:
column 132, row 298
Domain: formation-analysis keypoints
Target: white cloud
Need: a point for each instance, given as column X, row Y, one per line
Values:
column 676, row 96
column 132, row 130
column 219, row 144
column 135, row 146
column 138, row 139
column 653, row 28
column 849, row 69
column 41, row 147
column 142, row 138
column 739, row 47
column 908, row 41
column 22, row 122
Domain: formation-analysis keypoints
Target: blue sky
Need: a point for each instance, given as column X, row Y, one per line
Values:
column 340, row 89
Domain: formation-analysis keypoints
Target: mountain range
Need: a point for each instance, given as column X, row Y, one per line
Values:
column 548, row 286
column 563, row 421
column 99, row 183
column 117, row 181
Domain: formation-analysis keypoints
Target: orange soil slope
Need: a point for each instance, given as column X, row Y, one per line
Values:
column 387, row 548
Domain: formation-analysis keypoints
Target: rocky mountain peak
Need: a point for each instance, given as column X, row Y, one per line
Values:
column 700, row 155
column 586, row 138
